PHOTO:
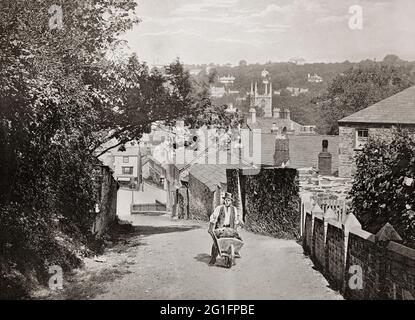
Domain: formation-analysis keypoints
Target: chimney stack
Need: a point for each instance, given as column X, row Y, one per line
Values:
column 252, row 113
column 324, row 160
column 277, row 113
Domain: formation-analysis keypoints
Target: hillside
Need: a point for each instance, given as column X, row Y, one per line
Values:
column 282, row 75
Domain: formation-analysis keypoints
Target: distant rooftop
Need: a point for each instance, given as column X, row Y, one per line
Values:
column 397, row 109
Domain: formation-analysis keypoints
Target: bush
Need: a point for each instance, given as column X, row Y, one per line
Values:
column 270, row 200
column 29, row 244
column 380, row 193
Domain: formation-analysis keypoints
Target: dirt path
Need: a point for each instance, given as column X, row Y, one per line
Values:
column 168, row 259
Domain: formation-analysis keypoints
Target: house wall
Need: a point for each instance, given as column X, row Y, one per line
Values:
column 146, row 170
column 119, row 163
column 347, row 150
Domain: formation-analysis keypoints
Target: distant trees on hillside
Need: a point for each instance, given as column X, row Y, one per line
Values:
column 346, row 88
column 361, row 86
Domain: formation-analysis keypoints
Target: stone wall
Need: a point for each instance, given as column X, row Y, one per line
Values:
column 182, row 206
column 308, row 234
column 335, row 255
column 318, row 245
column 339, row 251
column 400, row 271
column 106, row 191
column 362, row 251
column 346, row 151
column 201, row 200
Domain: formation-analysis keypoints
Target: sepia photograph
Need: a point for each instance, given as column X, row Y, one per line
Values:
column 207, row 154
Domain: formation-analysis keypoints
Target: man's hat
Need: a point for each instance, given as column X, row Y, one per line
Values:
column 227, row 195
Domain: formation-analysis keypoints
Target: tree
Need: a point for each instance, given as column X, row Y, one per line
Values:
column 243, row 63
column 64, row 92
column 381, row 192
column 358, row 88
column 391, row 59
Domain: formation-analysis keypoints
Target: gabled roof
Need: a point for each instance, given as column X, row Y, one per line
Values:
column 397, row 109
column 211, row 175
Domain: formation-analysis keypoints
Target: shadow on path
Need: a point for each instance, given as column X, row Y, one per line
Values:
column 203, row 257
column 150, row 230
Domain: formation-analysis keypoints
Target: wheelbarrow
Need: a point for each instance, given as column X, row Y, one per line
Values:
column 227, row 248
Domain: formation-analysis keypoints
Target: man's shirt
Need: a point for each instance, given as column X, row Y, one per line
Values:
column 215, row 215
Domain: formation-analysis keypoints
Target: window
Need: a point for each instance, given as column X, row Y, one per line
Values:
column 125, row 159
column 127, row 170
column 362, row 136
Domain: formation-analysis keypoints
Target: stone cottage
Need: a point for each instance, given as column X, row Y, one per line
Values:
column 376, row 120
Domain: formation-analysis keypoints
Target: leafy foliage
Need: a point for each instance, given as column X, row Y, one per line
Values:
column 360, row 87
column 379, row 192
column 63, row 94
column 270, row 200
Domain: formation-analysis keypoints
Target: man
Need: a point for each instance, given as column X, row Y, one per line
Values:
column 225, row 215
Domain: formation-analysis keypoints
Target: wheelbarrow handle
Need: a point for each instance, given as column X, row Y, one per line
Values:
column 215, row 241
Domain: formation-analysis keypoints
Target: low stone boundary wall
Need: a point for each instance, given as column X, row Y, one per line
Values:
column 359, row 264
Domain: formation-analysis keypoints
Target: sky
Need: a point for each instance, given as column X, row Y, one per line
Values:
column 227, row 31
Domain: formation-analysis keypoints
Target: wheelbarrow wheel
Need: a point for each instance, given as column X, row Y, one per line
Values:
column 231, row 258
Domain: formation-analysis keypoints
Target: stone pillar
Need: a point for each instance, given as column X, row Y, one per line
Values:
column 324, row 160
column 386, row 234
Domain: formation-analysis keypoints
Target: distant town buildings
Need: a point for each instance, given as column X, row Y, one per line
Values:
column 231, row 108
column 295, row 92
column 314, row 78
column 297, row 61
column 195, row 72
column 217, row 92
column 227, row 80
column 279, row 124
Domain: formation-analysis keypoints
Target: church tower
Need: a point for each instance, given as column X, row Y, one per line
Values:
column 264, row 99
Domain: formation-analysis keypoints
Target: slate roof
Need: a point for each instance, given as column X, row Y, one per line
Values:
column 210, row 175
column 397, row 109
column 267, row 148
column 304, row 150
column 213, row 174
